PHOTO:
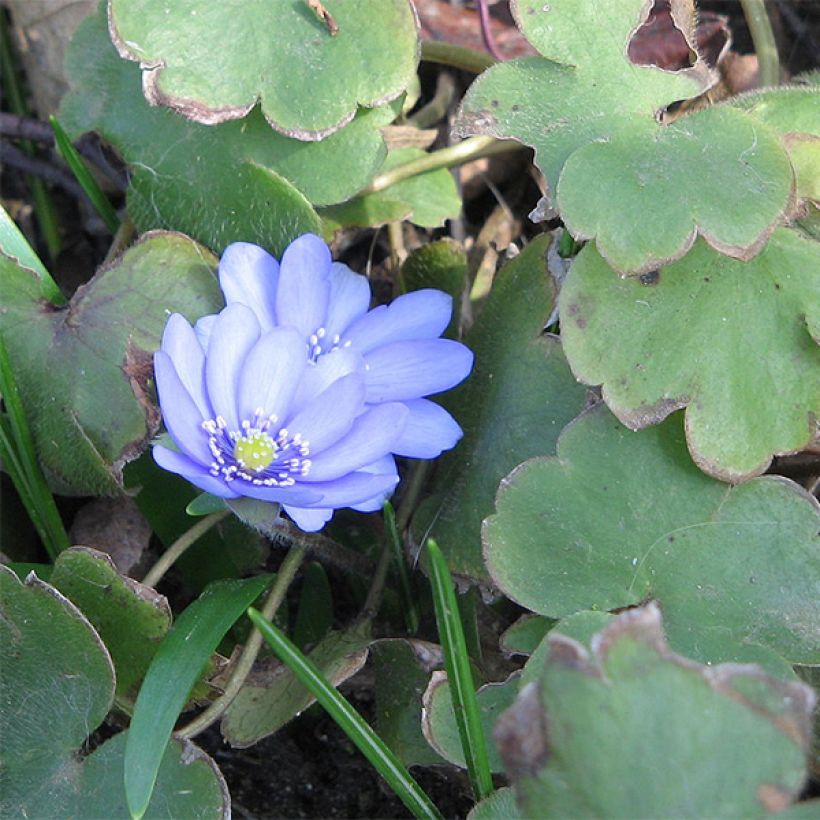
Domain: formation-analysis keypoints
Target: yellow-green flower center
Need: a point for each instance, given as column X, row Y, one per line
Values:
column 255, row 450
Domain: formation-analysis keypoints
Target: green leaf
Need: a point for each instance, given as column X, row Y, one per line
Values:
column 630, row 517
column 58, row 685
column 272, row 695
column 694, row 336
column 717, row 173
column 525, row 635
column 427, row 199
column 500, row 805
column 518, row 398
column 630, row 729
column 439, row 722
column 212, row 63
column 205, row 504
column 83, row 371
column 174, row 670
column 314, row 617
column 348, row 719
column 591, row 116
column 130, row 618
column 401, row 669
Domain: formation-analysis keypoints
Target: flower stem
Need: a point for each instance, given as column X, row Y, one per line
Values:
column 469, row 149
column 467, row 59
column 169, row 557
column 760, row 28
column 284, row 578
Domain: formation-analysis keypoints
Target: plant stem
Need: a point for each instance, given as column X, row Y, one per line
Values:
column 469, row 149
column 169, row 557
column 393, row 541
column 370, row 608
column 467, row 59
column 284, row 578
column 760, row 27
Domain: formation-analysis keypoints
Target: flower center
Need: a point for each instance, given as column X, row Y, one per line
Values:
column 254, row 454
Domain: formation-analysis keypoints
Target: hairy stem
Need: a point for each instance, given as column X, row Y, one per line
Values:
column 284, row 578
column 760, row 28
column 467, row 59
column 169, row 557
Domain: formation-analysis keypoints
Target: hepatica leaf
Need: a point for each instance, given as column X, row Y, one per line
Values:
column 733, row 342
column 213, row 61
column 236, row 181
column 83, row 370
column 630, row 729
column 518, row 398
column 619, row 517
column 58, row 682
column 591, row 116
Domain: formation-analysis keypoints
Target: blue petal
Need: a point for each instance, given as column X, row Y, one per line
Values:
column 326, row 370
column 234, row 334
column 181, row 465
column 384, row 466
column 309, row 519
column 179, row 412
column 304, row 286
column 271, row 373
column 180, row 343
column 203, row 329
column 330, row 415
column 295, row 494
column 410, row 370
column 423, row 314
column 349, row 299
column 429, row 431
column 354, row 488
column 249, row 275
column 371, row 437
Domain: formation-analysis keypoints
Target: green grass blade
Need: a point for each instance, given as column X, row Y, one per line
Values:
column 87, row 182
column 176, row 667
column 20, row 461
column 14, row 244
column 411, row 612
column 350, row 721
column 457, row 664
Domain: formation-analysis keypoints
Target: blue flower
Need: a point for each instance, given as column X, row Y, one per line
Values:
column 296, row 393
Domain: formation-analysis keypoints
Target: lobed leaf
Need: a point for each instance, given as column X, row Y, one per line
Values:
column 83, row 370
column 212, row 62
column 618, row 517
column 733, row 342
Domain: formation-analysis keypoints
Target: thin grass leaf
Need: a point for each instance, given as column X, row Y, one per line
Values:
column 81, row 173
column 176, row 667
column 14, row 244
column 457, row 664
column 20, row 461
column 348, row 719
column 411, row 612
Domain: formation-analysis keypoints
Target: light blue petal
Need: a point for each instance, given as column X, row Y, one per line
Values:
column 249, row 275
column 181, row 465
column 429, row 431
column 179, row 411
column 327, row 369
column 384, row 466
column 309, row 519
column 296, row 494
column 270, row 374
column 203, row 329
column 304, row 285
column 349, row 299
column 354, row 488
column 371, row 437
column 329, row 416
column 422, row 314
column 410, row 370
column 180, row 342
column 234, row 334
